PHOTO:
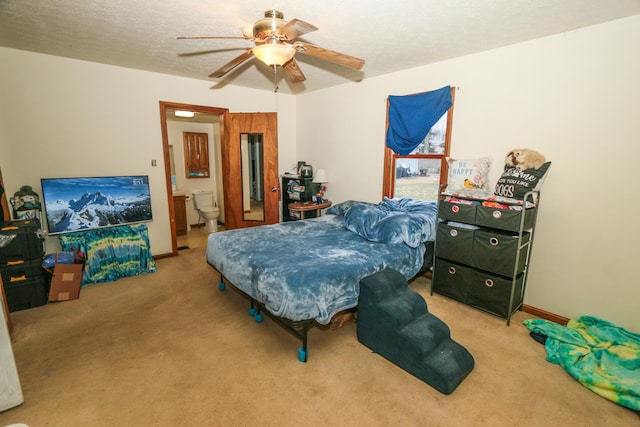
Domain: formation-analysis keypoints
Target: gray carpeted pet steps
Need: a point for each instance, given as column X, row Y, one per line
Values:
column 394, row 322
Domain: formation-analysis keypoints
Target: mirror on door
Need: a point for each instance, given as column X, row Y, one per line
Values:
column 252, row 176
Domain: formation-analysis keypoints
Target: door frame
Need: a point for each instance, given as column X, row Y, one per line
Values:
column 164, row 106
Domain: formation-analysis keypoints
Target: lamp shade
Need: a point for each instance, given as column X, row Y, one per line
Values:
column 320, row 176
column 274, row 54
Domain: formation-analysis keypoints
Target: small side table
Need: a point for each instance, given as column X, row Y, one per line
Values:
column 303, row 207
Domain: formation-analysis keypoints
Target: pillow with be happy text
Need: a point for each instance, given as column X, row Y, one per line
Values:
column 468, row 174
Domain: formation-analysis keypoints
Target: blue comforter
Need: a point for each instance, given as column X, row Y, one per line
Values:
column 311, row 269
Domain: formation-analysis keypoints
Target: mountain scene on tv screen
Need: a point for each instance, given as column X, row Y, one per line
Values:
column 95, row 209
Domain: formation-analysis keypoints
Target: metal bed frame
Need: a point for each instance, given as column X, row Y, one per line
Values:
column 299, row 328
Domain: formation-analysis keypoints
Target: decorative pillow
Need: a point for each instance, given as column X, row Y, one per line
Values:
column 515, row 183
column 468, row 174
column 379, row 223
column 341, row 208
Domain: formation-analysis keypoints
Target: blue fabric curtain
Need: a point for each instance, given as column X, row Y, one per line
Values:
column 412, row 116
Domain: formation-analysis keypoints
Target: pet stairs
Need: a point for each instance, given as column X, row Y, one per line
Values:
column 394, row 322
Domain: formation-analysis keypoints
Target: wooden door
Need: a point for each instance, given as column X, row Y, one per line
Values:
column 237, row 125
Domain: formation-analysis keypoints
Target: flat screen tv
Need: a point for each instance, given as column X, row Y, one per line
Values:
column 80, row 204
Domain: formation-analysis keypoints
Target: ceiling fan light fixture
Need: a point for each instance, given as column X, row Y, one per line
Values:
column 180, row 113
column 274, row 54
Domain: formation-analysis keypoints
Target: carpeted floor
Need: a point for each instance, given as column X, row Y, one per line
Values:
column 170, row 349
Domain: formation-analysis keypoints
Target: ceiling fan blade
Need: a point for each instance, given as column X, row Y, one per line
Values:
column 295, row 28
column 213, row 37
column 232, row 64
column 330, row 55
column 294, row 72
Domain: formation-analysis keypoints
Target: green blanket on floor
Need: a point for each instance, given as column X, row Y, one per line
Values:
column 602, row 356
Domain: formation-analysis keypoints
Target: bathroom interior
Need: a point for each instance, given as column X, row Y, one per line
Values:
column 191, row 226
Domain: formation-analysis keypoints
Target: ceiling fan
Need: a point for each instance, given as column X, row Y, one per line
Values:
column 276, row 46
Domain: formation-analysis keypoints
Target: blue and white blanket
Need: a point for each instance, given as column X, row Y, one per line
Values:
column 311, row 269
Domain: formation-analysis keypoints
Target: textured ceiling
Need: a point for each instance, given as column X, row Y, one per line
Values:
column 389, row 35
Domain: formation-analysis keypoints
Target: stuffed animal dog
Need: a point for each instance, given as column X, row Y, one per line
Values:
column 524, row 158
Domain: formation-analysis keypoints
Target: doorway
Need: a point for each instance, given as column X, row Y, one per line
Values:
column 224, row 172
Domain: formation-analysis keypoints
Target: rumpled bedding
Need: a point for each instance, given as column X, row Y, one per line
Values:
column 603, row 357
column 405, row 221
column 311, row 269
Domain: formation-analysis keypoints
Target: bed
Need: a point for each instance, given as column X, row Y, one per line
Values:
column 303, row 272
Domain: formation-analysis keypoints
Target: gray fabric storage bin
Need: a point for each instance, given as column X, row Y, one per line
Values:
column 504, row 219
column 492, row 293
column 455, row 242
column 496, row 251
column 450, row 279
column 457, row 211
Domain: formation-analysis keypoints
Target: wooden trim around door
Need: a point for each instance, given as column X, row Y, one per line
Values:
column 164, row 106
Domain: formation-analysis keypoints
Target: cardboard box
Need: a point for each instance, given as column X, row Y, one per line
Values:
column 66, row 282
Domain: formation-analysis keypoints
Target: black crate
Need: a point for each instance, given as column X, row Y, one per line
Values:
column 17, row 271
column 26, row 244
column 26, row 294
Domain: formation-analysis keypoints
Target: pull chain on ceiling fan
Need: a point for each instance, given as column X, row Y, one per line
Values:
column 276, row 47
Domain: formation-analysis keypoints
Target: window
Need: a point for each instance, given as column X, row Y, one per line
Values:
column 420, row 173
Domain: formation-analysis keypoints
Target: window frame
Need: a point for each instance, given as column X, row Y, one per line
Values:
column 389, row 176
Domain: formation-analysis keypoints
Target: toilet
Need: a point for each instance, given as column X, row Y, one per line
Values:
column 204, row 204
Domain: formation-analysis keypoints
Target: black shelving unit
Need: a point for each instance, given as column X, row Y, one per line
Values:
column 297, row 189
column 482, row 252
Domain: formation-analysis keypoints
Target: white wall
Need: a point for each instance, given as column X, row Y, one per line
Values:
column 62, row 118
column 573, row 97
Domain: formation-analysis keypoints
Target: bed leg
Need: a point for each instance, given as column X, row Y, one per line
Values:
column 303, row 352
column 255, row 312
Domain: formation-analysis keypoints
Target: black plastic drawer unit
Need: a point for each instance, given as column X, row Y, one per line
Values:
column 20, row 271
column 21, row 253
column 25, row 294
column 21, row 240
